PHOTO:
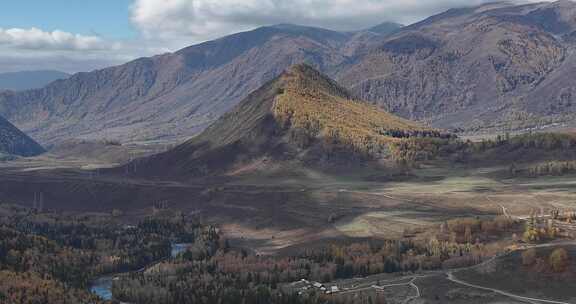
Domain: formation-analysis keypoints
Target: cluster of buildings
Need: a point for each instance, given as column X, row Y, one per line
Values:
column 304, row 286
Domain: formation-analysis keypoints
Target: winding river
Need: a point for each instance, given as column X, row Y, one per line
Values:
column 102, row 287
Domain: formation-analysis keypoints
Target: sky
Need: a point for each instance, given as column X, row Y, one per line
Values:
column 75, row 35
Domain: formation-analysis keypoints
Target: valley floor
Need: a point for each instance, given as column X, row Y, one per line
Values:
column 278, row 212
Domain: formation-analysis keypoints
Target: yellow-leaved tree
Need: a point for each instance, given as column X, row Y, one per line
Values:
column 559, row 260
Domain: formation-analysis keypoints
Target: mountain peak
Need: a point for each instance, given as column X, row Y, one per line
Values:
column 304, row 77
column 301, row 68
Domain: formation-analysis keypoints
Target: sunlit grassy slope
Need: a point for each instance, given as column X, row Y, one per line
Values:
column 313, row 104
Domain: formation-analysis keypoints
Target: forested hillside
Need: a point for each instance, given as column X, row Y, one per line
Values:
column 50, row 257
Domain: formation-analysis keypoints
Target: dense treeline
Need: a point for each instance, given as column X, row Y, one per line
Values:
column 214, row 273
column 400, row 133
column 107, row 245
column 21, row 252
column 50, row 256
column 410, row 151
column 551, row 168
column 33, row 288
column 34, row 269
column 560, row 144
column 544, row 141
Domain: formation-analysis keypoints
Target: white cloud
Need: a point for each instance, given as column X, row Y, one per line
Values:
column 35, row 38
column 34, row 48
column 182, row 22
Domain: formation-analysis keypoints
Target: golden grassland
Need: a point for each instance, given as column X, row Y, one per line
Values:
column 320, row 112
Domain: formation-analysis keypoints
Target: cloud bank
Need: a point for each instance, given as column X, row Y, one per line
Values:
column 190, row 21
column 36, row 49
column 35, row 38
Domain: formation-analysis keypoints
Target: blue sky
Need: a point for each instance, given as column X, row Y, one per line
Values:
column 109, row 18
column 83, row 35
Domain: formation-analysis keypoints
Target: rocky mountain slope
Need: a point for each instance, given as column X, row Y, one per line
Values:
column 300, row 116
column 19, row 81
column 498, row 66
column 15, row 142
column 495, row 66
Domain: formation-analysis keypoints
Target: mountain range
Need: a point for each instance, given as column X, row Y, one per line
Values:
column 497, row 66
column 173, row 95
column 25, row 80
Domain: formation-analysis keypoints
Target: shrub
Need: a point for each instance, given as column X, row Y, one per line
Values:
column 559, row 260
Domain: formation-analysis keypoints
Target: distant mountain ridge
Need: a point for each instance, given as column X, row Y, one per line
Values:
column 492, row 67
column 26, row 80
column 15, row 142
